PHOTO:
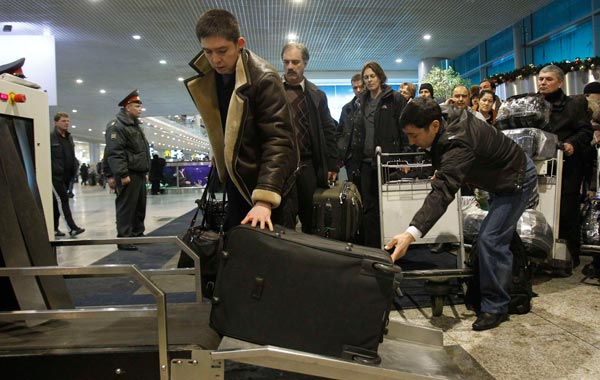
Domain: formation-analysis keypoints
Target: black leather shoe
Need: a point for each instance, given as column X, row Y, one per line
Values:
column 127, row 247
column 486, row 321
column 76, row 231
column 59, row 233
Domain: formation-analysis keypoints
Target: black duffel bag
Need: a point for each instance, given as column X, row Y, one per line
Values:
column 206, row 239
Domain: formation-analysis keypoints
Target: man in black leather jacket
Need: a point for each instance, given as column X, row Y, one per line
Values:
column 127, row 155
column 570, row 121
column 465, row 150
column 64, row 168
column 315, row 132
column 248, row 121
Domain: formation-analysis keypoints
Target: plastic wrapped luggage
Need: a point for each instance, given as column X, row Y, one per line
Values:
column 534, row 230
column 537, row 144
column 590, row 229
column 337, row 211
column 524, row 111
column 303, row 292
column 536, row 234
column 472, row 218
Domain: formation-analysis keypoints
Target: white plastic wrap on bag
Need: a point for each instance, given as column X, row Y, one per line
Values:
column 524, row 111
column 535, row 233
column 537, row 144
column 590, row 229
column 532, row 227
column 472, row 218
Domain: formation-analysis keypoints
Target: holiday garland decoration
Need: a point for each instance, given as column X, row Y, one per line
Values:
column 590, row 63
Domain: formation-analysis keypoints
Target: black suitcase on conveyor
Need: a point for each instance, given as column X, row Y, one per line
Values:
column 303, row 292
column 337, row 211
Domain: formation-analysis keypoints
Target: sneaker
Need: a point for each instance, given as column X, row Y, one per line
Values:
column 76, row 231
column 59, row 233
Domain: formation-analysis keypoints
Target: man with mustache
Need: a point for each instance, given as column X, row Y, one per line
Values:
column 315, row 132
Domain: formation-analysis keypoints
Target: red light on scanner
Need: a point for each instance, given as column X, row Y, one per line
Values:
column 13, row 98
column 18, row 98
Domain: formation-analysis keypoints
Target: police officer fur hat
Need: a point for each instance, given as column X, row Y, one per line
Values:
column 14, row 68
column 133, row 97
column 592, row 88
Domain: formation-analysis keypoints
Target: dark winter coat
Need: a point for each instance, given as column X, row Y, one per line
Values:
column 257, row 151
column 127, row 149
column 388, row 134
column 467, row 151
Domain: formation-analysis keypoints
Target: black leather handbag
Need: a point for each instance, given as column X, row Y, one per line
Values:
column 206, row 239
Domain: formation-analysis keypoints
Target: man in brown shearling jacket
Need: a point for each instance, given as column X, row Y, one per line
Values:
column 248, row 121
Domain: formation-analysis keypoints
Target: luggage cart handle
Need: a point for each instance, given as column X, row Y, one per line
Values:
column 386, row 268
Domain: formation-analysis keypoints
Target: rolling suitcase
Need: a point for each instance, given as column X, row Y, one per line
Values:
column 303, row 292
column 337, row 211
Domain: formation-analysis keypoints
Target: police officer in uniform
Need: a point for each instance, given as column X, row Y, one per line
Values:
column 127, row 158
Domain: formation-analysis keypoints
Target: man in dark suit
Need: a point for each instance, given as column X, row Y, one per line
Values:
column 315, row 132
column 64, row 169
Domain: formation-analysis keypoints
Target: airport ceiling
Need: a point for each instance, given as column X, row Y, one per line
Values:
column 94, row 41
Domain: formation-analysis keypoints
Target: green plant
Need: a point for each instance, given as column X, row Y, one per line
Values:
column 443, row 81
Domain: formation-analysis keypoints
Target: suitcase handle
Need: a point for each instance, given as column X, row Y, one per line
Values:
column 386, row 268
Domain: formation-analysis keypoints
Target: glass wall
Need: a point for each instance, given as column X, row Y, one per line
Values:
column 574, row 42
column 562, row 30
column 558, row 14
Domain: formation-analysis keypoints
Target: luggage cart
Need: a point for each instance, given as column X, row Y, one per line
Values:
column 549, row 190
column 399, row 199
column 591, row 249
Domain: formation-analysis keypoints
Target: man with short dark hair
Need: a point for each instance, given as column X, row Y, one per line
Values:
column 464, row 150
column 248, row 121
column 64, row 169
column 315, row 131
column 461, row 98
column 350, row 111
column 569, row 120
column 127, row 158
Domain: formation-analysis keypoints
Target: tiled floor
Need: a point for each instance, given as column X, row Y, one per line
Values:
column 559, row 339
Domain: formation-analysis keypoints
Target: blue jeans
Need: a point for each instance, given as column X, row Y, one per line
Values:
column 495, row 234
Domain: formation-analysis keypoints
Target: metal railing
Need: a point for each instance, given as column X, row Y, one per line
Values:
column 146, row 240
column 160, row 311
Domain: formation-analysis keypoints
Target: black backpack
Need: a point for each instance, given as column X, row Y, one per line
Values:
column 521, row 291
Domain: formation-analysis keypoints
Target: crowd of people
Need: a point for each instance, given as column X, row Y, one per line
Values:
column 274, row 142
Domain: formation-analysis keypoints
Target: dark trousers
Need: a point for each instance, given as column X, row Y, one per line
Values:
column 155, row 186
column 570, row 196
column 131, row 206
column 60, row 188
column 302, row 196
column 370, row 196
column 238, row 208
